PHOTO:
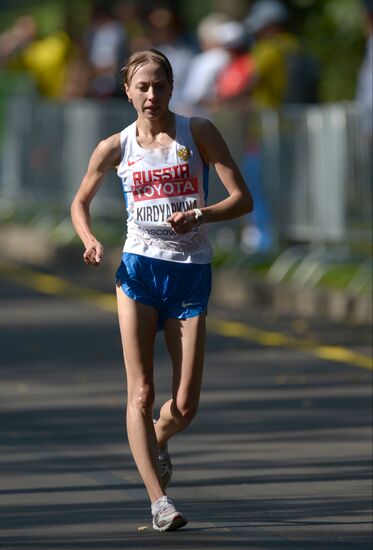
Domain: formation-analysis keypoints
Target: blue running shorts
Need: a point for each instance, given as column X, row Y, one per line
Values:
column 175, row 289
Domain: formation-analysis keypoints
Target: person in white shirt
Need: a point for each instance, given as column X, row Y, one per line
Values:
column 200, row 85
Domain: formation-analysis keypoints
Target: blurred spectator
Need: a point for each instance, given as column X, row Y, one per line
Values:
column 16, row 38
column 79, row 75
column 167, row 34
column 364, row 90
column 44, row 58
column 235, row 78
column 284, row 72
column 107, row 48
column 200, row 86
column 130, row 14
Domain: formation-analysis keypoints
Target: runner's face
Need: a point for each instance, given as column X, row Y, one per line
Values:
column 150, row 91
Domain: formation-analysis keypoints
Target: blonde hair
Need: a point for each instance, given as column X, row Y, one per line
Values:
column 140, row 58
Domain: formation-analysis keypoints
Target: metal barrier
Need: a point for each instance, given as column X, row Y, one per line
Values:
column 310, row 167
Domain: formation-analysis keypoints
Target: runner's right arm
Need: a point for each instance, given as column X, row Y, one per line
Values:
column 104, row 158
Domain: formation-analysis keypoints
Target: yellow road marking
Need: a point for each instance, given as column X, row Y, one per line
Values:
column 51, row 284
column 278, row 339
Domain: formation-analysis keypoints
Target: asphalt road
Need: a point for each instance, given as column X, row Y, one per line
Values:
column 279, row 456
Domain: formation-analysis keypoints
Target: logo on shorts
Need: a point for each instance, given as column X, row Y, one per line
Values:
column 189, row 304
column 184, row 153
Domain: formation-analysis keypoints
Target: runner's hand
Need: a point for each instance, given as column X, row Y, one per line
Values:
column 182, row 222
column 93, row 254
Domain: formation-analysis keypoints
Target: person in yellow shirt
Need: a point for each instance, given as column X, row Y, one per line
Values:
column 45, row 58
column 269, row 58
column 283, row 72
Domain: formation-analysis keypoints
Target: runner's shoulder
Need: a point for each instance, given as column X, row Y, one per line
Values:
column 200, row 124
column 205, row 135
column 109, row 149
column 109, row 144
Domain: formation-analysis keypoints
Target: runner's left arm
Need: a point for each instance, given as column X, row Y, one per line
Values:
column 214, row 150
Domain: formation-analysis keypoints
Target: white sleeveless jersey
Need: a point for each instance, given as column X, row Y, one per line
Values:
column 158, row 182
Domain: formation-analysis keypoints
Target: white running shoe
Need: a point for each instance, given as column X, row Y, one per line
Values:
column 165, row 515
column 165, row 465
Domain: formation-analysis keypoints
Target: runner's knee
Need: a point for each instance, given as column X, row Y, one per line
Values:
column 141, row 399
column 184, row 410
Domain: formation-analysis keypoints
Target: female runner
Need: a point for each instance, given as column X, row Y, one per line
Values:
column 164, row 279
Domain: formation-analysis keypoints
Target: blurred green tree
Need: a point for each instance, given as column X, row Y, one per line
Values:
column 333, row 30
